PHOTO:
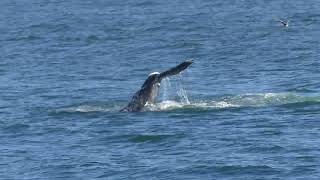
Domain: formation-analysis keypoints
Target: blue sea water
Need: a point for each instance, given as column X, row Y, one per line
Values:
column 247, row 108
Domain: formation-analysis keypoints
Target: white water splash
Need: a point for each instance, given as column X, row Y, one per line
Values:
column 179, row 90
column 166, row 85
column 182, row 93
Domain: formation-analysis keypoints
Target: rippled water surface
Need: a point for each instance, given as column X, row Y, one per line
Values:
column 247, row 108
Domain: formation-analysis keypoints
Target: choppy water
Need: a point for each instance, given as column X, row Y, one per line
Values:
column 248, row 108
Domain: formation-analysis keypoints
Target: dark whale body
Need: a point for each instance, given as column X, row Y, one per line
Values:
column 150, row 88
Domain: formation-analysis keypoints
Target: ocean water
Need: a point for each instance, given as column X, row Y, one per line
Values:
column 247, row 108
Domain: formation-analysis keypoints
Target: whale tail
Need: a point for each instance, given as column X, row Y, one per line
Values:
column 150, row 87
column 175, row 70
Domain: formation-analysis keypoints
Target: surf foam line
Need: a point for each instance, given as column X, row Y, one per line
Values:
column 169, row 103
column 238, row 101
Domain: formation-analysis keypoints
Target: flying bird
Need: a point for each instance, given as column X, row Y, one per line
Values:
column 284, row 23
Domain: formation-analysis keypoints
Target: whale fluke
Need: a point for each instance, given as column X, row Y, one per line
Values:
column 175, row 70
column 150, row 88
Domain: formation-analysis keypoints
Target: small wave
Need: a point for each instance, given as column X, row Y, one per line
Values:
column 266, row 99
column 49, row 26
column 237, row 169
column 234, row 169
column 16, row 128
column 266, row 149
column 24, row 38
column 89, row 108
column 150, row 138
column 82, row 108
